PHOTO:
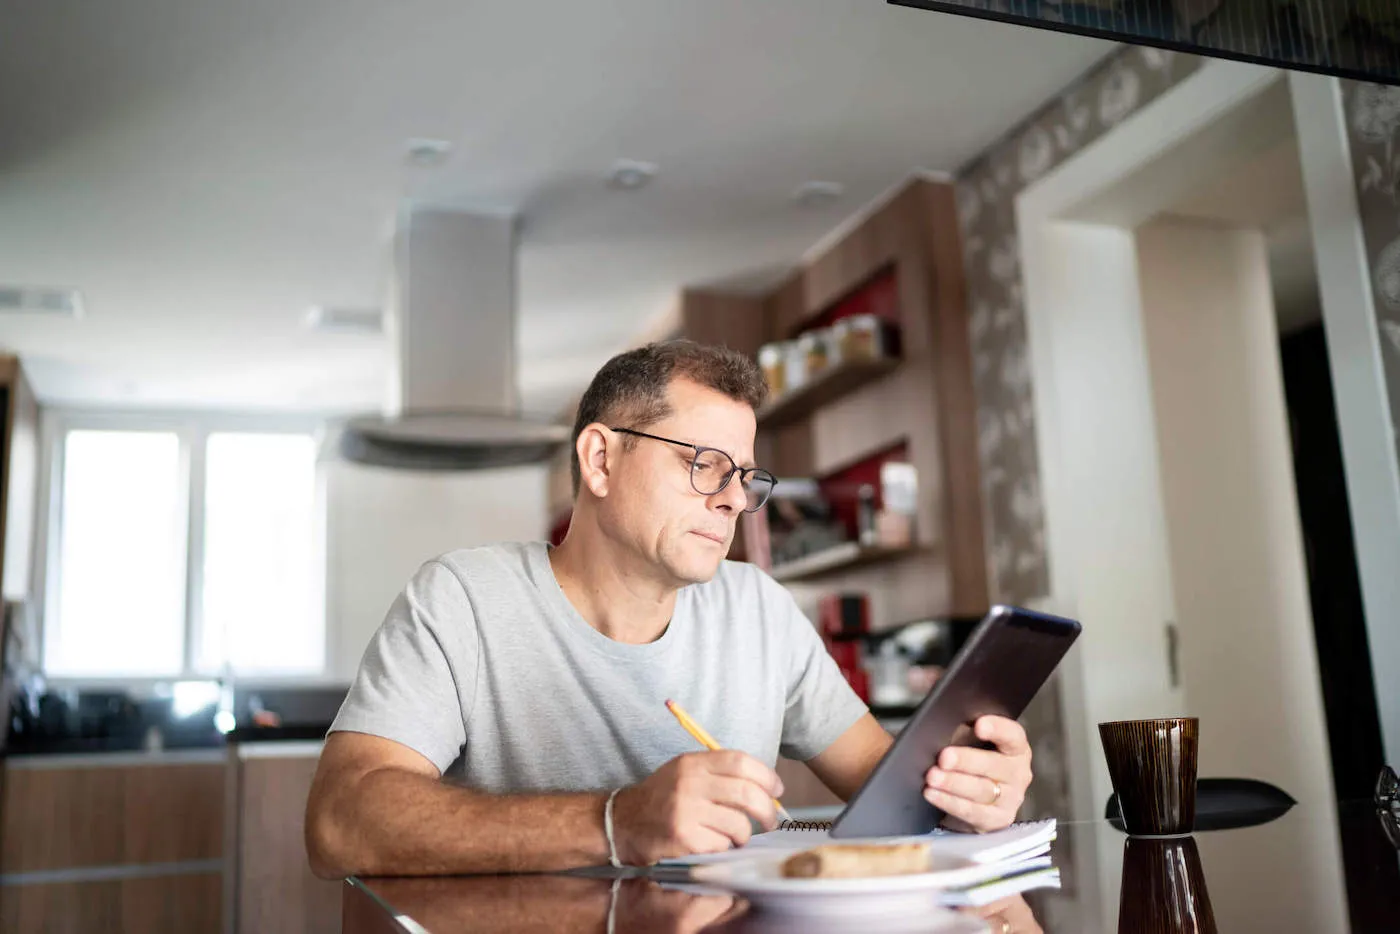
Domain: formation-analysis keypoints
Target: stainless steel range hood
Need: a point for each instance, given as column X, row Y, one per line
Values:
column 453, row 401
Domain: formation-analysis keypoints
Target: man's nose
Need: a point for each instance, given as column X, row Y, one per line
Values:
column 732, row 497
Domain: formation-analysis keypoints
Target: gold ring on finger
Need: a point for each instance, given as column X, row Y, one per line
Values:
column 996, row 791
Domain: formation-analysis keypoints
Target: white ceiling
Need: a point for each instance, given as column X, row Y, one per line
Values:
column 205, row 171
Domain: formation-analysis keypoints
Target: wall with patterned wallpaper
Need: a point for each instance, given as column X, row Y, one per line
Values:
column 1124, row 83
column 1373, row 127
column 987, row 189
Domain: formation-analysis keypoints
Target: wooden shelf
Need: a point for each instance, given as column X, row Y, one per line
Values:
column 826, row 387
column 838, row 558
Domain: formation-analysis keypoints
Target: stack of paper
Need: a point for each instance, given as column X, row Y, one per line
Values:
column 1015, row 859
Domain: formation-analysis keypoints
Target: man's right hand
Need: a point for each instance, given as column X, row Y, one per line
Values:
column 700, row 802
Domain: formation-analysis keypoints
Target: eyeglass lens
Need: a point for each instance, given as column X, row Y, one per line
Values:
column 711, row 470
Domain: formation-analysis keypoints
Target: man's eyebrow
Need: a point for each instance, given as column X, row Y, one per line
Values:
column 745, row 464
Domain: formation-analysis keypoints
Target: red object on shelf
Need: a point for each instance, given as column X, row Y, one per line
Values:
column 843, row 615
column 878, row 296
column 849, row 655
column 842, row 489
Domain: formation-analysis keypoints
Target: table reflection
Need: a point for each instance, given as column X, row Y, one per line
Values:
column 528, row 904
column 1164, row 888
column 1227, row 880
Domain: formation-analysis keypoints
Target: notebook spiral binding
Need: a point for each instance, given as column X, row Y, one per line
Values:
column 805, row 825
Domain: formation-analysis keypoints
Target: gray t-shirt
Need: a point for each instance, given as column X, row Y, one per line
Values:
column 484, row 667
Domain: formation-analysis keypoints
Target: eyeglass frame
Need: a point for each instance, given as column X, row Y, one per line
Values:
column 699, row 449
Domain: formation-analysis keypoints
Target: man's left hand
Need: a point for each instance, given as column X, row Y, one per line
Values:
column 982, row 789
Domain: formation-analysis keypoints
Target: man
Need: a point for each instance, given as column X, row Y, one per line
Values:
column 509, row 714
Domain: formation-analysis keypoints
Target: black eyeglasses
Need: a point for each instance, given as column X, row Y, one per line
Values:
column 711, row 470
column 1388, row 804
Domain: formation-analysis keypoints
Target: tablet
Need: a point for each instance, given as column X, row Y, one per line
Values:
column 1004, row 662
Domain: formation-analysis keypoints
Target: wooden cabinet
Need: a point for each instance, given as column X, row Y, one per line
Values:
column 188, row 903
column 205, row 841
column 112, row 842
column 273, row 889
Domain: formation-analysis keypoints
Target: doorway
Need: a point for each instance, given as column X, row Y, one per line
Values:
column 1173, row 518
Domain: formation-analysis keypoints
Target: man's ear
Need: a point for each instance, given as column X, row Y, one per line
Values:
column 592, row 449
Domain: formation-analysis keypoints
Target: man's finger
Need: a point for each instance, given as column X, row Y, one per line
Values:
column 743, row 795
column 995, row 765
column 737, row 764
column 705, row 840
column 975, row 788
column 728, row 821
column 978, row 816
column 1007, row 735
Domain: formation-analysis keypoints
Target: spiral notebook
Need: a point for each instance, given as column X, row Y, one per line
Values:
column 1019, row 841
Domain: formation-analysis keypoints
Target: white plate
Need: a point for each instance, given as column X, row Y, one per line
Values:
column 760, row 880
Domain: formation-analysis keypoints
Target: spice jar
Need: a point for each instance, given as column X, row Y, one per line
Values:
column 794, row 366
column 814, row 351
column 839, row 334
column 864, row 338
column 831, row 340
column 771, row 359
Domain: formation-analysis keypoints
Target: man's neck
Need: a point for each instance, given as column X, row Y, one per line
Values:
column 610, row 590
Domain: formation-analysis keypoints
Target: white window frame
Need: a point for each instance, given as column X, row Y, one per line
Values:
column 193, row 430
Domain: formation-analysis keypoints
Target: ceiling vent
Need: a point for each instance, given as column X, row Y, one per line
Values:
column 66, row 303
column 345, row 320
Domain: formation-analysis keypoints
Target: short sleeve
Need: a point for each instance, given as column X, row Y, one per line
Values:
column 820, row 704
column 418, row 675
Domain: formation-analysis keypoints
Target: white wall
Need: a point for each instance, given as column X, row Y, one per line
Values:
column 381, row 525
column 1248, row 656
column 1105, row 525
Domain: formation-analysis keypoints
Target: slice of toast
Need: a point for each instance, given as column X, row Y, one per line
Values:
column 854, row 860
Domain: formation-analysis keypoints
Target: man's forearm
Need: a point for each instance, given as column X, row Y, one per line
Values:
column 394, row 822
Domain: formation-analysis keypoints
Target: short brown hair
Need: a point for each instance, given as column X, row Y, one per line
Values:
column 630, row 390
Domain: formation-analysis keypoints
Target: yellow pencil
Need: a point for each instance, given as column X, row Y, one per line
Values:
column 708, row 741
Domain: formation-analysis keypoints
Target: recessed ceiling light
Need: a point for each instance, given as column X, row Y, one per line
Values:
column 345, row 320
column 630, row 174
column 425, row 152
column 815, row 194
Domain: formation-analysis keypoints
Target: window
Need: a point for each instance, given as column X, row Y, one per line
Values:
column 183, row 549
column 260, row 595
column 121, row 591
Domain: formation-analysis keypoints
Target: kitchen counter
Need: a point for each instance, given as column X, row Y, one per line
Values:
column 293, row 731
column 212, row 746
column 116, row 758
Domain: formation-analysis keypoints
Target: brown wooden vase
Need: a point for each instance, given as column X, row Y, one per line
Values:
column 1153, row 767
